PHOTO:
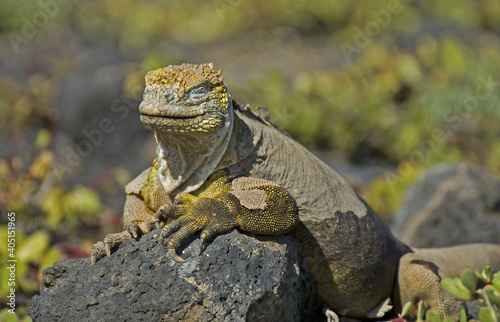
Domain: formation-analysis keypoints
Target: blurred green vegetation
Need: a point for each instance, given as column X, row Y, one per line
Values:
column 410, row 83
column 48, row 215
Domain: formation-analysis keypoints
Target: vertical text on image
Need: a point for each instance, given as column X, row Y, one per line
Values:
column 11, row 261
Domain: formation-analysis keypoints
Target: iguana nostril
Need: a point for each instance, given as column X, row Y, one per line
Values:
column 169, row 97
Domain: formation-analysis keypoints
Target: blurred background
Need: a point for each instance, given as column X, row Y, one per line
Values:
column 380, row 90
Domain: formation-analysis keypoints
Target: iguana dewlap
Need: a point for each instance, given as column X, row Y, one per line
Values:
column 219, row 166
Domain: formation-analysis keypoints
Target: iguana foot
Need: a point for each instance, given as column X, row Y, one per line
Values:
column 211, row 216
column 136, row 228
column 103, row 248
column 330, row 315
column 132, row 229
column 380, row 310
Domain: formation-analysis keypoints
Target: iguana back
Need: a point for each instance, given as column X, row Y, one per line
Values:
column 350, row 251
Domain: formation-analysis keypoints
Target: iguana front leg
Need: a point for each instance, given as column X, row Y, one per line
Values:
column 250, row 204
column 137, row 219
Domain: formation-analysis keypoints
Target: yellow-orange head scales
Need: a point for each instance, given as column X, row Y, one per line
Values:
column 184, row 99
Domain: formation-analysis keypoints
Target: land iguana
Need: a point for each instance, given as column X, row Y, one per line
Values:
column 220, row 166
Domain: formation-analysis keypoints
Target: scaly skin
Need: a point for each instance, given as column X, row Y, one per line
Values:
column 219, row 203
column 225, row 167
column 421, row 272
column 253, row 205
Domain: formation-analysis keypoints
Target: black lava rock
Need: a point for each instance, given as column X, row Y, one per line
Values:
column 236, row 278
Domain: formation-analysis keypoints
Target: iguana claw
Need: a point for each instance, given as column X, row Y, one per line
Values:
column 133, row 231
column 174, row 256
column 202, row 245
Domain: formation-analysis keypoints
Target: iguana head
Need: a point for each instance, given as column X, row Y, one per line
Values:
column 185, row 99
column 189, row 109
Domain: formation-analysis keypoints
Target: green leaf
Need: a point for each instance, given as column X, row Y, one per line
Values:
column 487, row 315
column 469, row 279
column 421, row 312
column 405, row 309
column 52, row 255
column 496, row 281
column 456, row 288
column 448, row 319
column 8, row 317
column 33, row 246
column 492, row 294
column 432, row 316
column 463, row 316
column 43, row 138
column 486, row 274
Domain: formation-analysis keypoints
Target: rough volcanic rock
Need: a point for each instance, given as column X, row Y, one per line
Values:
column 452, row 205
column 237, row 278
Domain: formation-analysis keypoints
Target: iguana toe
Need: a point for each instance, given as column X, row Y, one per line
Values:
column 98, row 251
column 107, row 247
column 183, row 232
column 133, row 231
column 103, row 248
column 330, row 315
column 163, row 213
column 211, row 216
column 168, row 230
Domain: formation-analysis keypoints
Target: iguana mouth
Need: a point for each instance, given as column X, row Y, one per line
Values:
column 171, row 117
column 182, row 124
column 170, row 111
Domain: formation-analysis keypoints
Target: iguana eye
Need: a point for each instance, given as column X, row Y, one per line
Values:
column 198, row 93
